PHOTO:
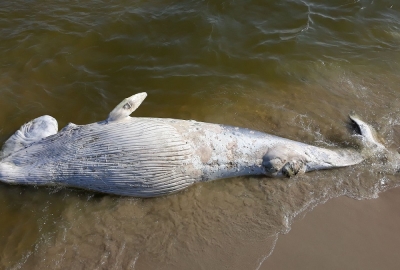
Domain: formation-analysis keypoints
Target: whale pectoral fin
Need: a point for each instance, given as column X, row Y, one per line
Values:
column 280, row 167
column 294, row 167
column 283, row 161
column 126, row 107
column 33, row 131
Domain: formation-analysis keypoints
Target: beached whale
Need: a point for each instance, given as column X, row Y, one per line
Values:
column 147, row 157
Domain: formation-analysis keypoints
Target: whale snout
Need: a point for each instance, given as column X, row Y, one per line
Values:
column 40, row 127
column 29, row 133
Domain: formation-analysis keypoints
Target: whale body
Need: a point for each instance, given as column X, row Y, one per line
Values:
column 148, row 157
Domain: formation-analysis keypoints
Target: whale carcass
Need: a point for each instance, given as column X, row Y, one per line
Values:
column 147, row 157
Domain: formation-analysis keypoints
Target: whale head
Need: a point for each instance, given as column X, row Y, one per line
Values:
column 29, row 133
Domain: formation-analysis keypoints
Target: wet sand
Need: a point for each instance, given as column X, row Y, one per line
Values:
column 343, row 234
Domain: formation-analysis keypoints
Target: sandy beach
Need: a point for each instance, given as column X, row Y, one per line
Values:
column 343, row 234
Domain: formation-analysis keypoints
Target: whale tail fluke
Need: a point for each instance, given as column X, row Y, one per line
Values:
column 371, row 147
column 370, row 142
column 288, row 159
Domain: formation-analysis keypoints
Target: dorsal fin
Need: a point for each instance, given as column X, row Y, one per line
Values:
column 29, row 133
column 126, row 107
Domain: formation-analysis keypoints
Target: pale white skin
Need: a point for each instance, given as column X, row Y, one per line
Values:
column 147, row 157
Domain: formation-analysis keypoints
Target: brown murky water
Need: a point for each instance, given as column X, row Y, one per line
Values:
column 290, row 68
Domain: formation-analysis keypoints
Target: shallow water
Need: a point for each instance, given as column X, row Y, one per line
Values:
column 290, row 68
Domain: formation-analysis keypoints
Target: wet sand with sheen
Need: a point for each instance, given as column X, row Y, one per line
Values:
column 343, row 233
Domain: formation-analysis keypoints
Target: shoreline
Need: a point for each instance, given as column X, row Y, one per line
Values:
column 343, row 233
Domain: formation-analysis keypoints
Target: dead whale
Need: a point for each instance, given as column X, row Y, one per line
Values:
column 148, row 157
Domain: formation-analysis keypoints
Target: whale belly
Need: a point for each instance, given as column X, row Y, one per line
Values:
column 137, row 157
